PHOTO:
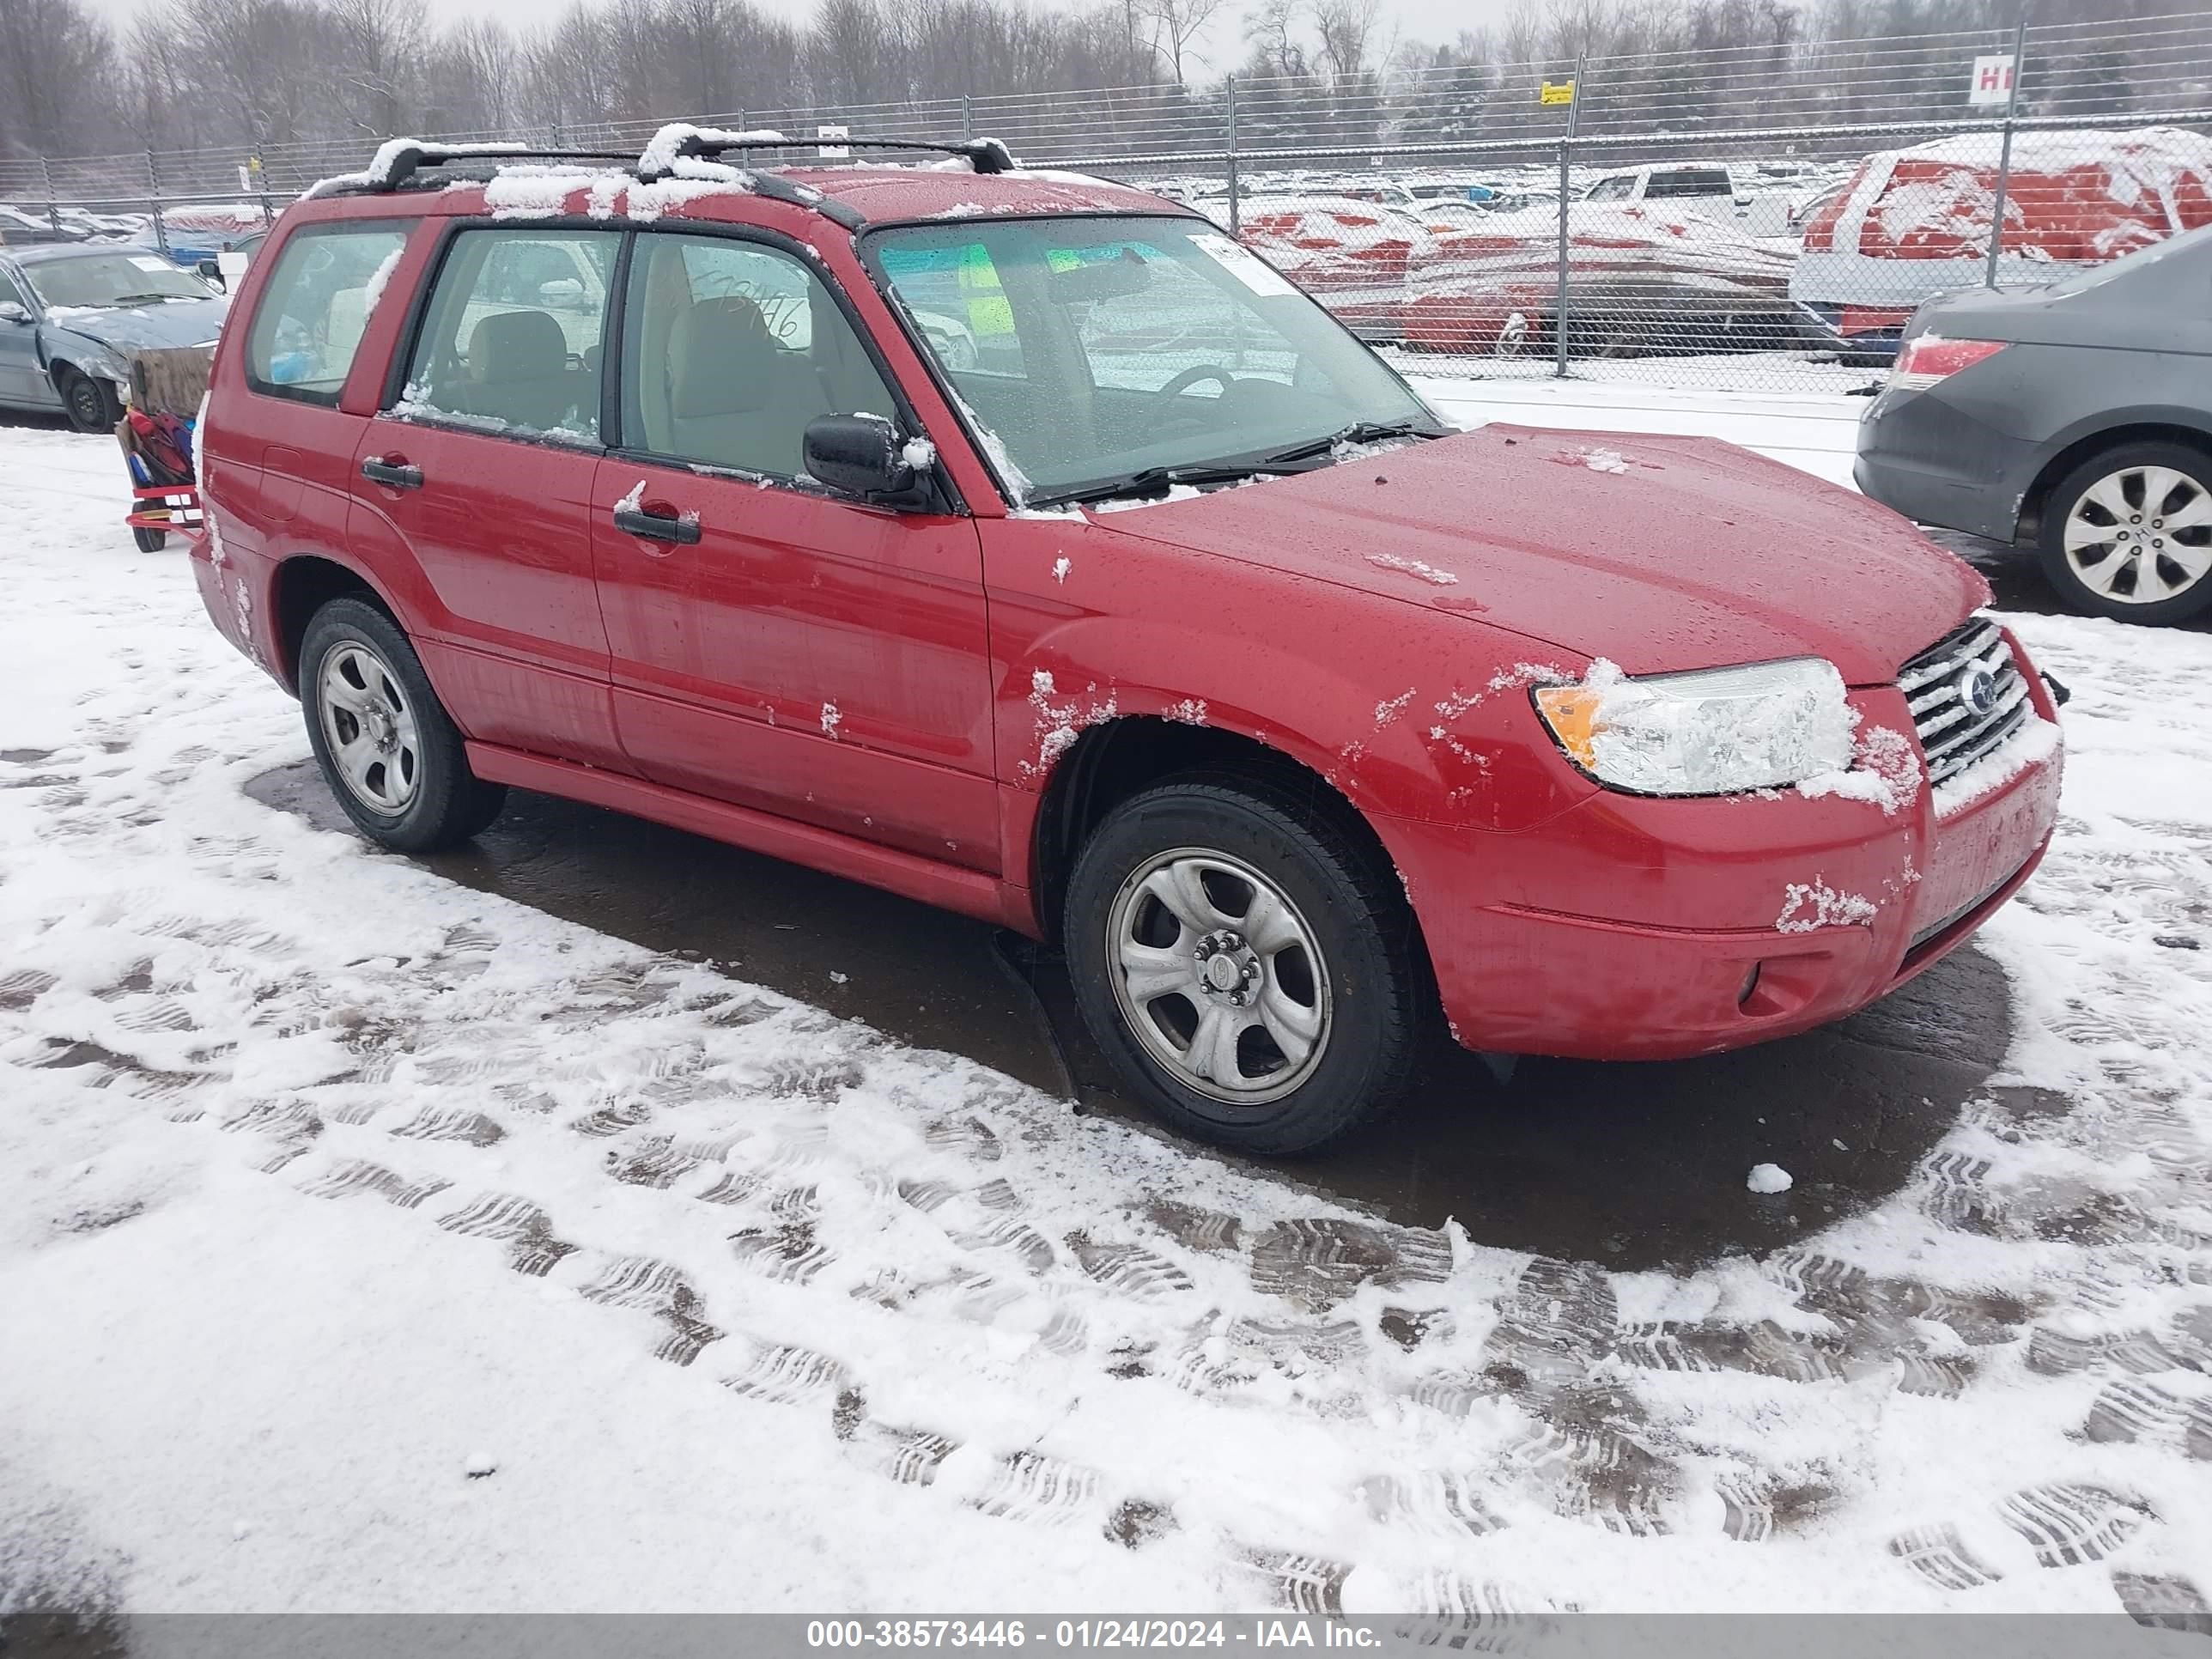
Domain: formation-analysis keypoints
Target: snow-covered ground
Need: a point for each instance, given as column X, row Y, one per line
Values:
column 366, row 1242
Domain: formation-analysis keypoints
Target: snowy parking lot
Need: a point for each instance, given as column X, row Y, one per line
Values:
column 371, row 1242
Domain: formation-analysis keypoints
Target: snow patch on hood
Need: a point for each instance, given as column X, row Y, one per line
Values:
column 1425, row 571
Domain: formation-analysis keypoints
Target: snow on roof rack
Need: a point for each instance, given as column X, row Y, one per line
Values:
column 680, row 141
column 398, row 160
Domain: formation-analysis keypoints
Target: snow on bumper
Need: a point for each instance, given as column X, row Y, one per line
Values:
column 1632, row 928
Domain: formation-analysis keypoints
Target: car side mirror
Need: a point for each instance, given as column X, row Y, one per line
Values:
column 209, row 271
column 12, row 313
column 860, row 454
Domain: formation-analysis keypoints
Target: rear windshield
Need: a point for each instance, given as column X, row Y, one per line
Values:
column 1696, row 181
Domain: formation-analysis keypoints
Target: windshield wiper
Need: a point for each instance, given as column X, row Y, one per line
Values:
column 1159, row 480
column 1360, row 432
column 142, row 298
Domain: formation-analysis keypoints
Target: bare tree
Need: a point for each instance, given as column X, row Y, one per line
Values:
column 1272, row 29
column 1175, row 24
column 1345, row 27
column 383, row 42
column 55, row 60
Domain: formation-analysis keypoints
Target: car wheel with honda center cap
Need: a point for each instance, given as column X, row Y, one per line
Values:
column 2128, row 534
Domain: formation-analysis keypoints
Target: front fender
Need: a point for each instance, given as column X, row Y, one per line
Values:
column 84, row 351
column 1410, row 711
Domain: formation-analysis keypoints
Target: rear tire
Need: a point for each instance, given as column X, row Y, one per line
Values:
column 388, row 749
column 2128, row 534
column 1250, row 968
column 149, row 541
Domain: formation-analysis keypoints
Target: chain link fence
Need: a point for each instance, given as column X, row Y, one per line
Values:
column 1760, row 218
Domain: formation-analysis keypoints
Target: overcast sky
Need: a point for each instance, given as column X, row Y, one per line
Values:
column 1433, row 20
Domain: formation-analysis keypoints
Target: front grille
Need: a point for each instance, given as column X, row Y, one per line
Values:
column 1953, row 732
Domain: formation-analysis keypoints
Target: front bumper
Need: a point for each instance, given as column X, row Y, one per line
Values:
column 1725, row 922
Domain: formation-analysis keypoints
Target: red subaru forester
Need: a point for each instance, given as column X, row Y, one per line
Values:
column 1018, row 542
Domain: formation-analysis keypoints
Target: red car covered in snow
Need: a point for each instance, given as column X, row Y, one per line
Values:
column 1644, row 277
column 1024, row 544
column 1351, row 255
column 1913, row 223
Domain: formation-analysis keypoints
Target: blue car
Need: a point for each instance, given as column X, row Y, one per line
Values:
column 70, row 315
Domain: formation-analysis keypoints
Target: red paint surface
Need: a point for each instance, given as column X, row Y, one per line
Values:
column 686, row 682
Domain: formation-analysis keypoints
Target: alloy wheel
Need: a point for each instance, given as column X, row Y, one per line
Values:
column 374, row 745
column 1220, row 976
column 2141, row 535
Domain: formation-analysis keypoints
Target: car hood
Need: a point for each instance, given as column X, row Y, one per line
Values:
column 171, row 323
column 1659, row 553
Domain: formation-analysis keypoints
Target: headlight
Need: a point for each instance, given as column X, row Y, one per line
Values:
column 1715, row 732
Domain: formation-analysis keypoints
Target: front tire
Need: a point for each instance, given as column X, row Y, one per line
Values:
column 1248, row 965
column 388, row 749
column 90, row 403
column 2128, row 534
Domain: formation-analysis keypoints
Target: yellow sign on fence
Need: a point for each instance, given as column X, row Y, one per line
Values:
column 1557, row 92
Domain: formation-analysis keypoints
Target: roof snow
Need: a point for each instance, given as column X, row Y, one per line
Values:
column 378, row 173
column 663, row 152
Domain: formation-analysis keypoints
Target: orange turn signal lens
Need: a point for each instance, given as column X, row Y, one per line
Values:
column 1571, row 712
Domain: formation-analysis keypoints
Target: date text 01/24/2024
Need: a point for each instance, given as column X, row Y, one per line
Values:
column 1092, row 1632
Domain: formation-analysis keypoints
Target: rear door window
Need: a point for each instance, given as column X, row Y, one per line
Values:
column 312, row 312
column 512, row 338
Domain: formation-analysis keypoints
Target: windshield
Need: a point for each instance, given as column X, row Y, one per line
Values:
column 1097, row 354
column 123, row 277
column 2185, row 246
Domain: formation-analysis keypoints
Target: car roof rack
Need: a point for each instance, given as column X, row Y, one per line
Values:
column 984, row 154
column 399, row 161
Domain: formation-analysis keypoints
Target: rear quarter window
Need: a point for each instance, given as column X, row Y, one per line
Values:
column 315, row 307
column 1690, row 181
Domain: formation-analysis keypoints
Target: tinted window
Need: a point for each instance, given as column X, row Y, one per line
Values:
column 730, row 349
column 10, row 293
column 1611, row 190
column 312, row 314
column 512, row 338
column 1709, row 181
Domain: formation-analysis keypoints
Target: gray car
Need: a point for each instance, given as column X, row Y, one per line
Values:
column 2075, row 418
column 70, row 315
